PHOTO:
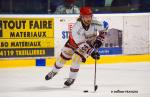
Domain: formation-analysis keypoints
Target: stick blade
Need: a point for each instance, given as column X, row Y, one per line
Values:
column 95, row 87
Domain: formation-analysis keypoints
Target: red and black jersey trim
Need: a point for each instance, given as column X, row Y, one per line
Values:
column 70, row 46
column 71, row 41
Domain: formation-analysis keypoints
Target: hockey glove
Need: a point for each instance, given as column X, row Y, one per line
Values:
column 95, row 55
column 97, row 44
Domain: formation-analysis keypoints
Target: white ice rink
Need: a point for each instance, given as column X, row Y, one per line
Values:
column 29, row 82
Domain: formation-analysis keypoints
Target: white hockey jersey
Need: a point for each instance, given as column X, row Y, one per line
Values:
column 83, row 40
column 63, row 10
column 80, row 35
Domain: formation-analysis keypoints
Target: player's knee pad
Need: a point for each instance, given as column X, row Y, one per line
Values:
column 67, row 53
column 60, row 62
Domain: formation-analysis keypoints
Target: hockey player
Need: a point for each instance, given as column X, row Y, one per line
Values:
column 86, row 35
column 68, row 7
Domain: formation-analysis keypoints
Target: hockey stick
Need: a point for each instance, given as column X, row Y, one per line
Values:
column 95, row 73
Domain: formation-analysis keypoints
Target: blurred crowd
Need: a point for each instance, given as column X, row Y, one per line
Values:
column 100, row 5
column 72, row 6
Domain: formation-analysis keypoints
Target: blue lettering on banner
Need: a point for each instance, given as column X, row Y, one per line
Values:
column 110, row 51
column 65, row 34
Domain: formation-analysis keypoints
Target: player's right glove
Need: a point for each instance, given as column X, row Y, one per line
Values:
column 95, row 55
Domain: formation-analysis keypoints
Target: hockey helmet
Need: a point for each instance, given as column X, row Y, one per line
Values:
column 86, row 11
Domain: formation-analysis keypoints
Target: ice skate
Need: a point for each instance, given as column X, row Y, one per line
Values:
column 68, row 82
column 50, row 75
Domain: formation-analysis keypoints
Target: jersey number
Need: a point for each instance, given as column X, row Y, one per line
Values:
column 84, row 48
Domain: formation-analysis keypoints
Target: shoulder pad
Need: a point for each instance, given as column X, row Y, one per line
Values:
column 95, row 22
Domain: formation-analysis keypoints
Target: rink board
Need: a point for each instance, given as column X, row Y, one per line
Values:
column 51, row 61
column 131, row 49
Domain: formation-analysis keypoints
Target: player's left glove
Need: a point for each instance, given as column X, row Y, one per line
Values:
column 95, row 55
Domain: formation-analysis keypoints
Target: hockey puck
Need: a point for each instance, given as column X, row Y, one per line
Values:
column 85, row 91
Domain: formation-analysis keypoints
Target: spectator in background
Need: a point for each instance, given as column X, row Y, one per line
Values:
column 145, row 5
column 116, row 3
column 68, row 7
column 126, row 5
column 95, row 4
column 54, row 4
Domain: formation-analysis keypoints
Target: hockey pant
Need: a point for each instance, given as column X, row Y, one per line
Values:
column 68, row 53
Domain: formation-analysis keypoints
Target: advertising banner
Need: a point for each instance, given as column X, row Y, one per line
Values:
column 26, row 37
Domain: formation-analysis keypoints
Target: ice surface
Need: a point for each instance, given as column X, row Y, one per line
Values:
column 29, row 82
